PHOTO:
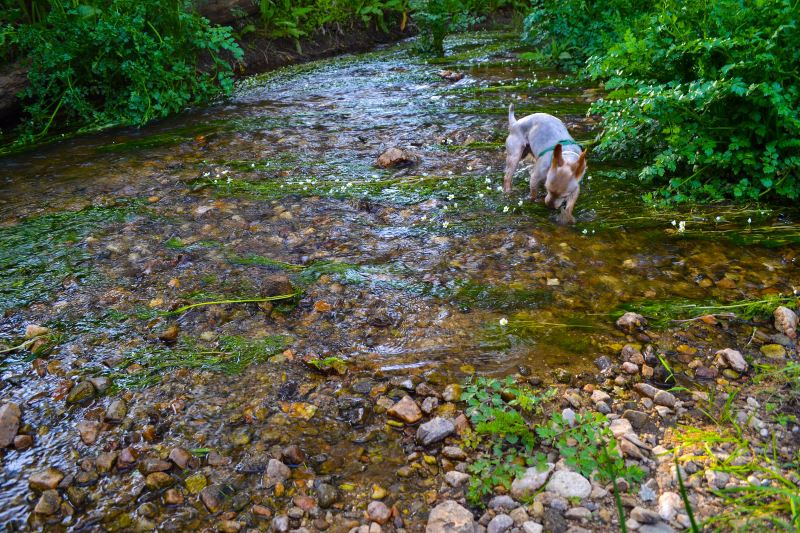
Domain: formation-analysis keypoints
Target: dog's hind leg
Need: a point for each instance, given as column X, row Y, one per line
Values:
column 514, row 154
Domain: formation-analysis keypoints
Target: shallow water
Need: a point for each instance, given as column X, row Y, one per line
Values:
column 418, row 266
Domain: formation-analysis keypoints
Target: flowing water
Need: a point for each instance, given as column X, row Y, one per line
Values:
column 428, row 272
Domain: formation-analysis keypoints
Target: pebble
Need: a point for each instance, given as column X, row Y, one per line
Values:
column 600, row 396
column 406, row 410
column 49, row 503
column 452, row 393
column 48, row 478
column 81, row 392
column 668, row 505
column 211, row 497
column 158, row 480
column 293, row 455
column 173, row 497
column 150, row 465
column 377, row 511
column 629, row 368
column 500, row 524
column 454, row 452
column 180, row 457
column 773, row 351
column 450, row 517
column 786, row 321
column 519, row 515
column 105, row 461
column 665, row 398
column 88, row 431
column 23, row 442
column 456, row 479
column 578, row 513
column 569, row 416
column 645, row 389
column 569, row 485
column 117, row 411
column 530, row 481
column 435, row 430
column 734, row 359
column 10, row 415
column 502, row 502
column 280, row 523
column 327, row 495
column 631, row 322
column 276, row 472
column 637, row 418
column 644, row 516
column 429, row 404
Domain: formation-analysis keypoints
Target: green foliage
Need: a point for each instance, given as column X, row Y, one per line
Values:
column 40, row 255
column 120, row 62
column 438, row 18
column 511, row 427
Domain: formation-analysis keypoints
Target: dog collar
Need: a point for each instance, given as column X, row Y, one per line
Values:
column 550, row 149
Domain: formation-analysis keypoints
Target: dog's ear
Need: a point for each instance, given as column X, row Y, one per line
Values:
column 558, row 158
column 580, row 165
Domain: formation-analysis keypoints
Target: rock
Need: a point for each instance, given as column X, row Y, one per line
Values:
column 773, row 351
column 293, row 455
column 644, row 516
column 212, row 498
column 397, row 158
column 646, row 390
column 451, row 75
column 500, row 524
column 452, row 393
column 196, row 483
column 569, row 485
column 48, row 478
column 631, row 322
column 151, row 464
column 277, row 472
column 105, row 461
column 454, row 452
column 502, row 502
column 406, row 410
column 454, row 478
column 49, row 503
column 435, row 430
column 180, row 457
column 35, row 330
column 23, row 442
column 659, row 527
column 638, row 419
column 785, row 322
column 716, row 479
column 117, row 411
column 532, row 527
column 668, row 505
column 603, row 363
column 158, row 481
column 600, row 396
column 450, row 517
column 629, row 368
column 632, row 354
column 173, row 497
column 280, row 524
column 88, row 430
column 327, row 495
column 101, row 383
column 519, row 515
column 377, row 511
column 734, row 359
column 531, row 481
column 81, row 392
column 9, row 423
column 569, row 416
column 665, row 398
column 578, row 513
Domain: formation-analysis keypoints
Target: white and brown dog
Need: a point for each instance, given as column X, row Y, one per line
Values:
column 559, row 161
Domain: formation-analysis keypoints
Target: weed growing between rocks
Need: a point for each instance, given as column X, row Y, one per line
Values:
column 511, row 432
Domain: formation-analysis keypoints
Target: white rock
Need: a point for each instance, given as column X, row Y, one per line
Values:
column 733, row 359
column 500, row 524
column 532, row 527
column 600, row 396
column 531, row 481
column 668, row 505
column 450, row 517
column 786, row 321
column 454, row 478
column 569, row 485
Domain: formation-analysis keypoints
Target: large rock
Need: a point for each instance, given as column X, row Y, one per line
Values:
column 532, row 480
column 116, row 411
column 733, row 359
column 81, row 392
column 669, row 503
column 435, row 430
column 406, row 410
column 49, row 503
column 786, row 322
column 450, row 517
column 378, row 512
column 397, row 157
column 49, row 478
column 9, row 423
column 500, row 524
column 277, row 472
column 327, row 495
column 88, row 430
column 569, row 485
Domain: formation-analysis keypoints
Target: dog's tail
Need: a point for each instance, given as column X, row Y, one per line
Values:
column 511, row 118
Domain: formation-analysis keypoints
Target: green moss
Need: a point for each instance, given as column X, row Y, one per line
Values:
column 39, row 254
column 502, row 298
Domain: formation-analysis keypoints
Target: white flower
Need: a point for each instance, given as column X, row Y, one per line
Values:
column 499, row 188
column 252, row 165
column 681, row 226
column 505, row 209
column 451, row 196
column 749, row 220
column 674, row 223
column 349, row 183
column 503, row 321
column 469, row 168
column 488, row 188
column 481, row 195
column 585, row 231
column 229, row 180
column 519, row 203
column 375, row 176
column 455, row 204
column 424, row 218
column 588, row 177
column 718, row 218
column 444, row 208
column 449, row 172
column 445, row 223
column 488, row 180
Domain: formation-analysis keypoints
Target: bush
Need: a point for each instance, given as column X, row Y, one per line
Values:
column 123, row 62
column 706, row 93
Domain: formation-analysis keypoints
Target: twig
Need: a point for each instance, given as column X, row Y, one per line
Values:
column 21, row 346
column 222, row 302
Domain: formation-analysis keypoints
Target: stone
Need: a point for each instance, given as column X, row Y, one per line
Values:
column 532, row 480
column 49, row 503
column 733, row 359
column 644, row 516
column 158, row 481
column 600, row 396
column 81, row 392
column 435, row 430
column 327, row 495
column 631, row 322
column 717, row 479
column 454, row 452
column 500, row 524
column 452, row 393
column 88, row 430
column 645, row 389
column 182, row 458
column 786, row 321
column 49, row 478
column 773, row 351
column 454, row 478
column 23, row 442
column 519, row 515
column 501, row 502
column 377, row 511
column 173, row 497
column 293, row 455
column 569, row 485
column 35, row 330
column 629, row 368
column 152, row 464
column 450, row 517
column 397, row 158
column 280, row 524
column 659, row 527
column 429, row 404
column 277, row 472
column 406, row 410
column 638, row 419
column 212, row 498
column 196, row 483
column 105, row 461
column 9, row 423
column 578, row 513
column 532, row 527
column 669, row 503
column 117, row 411
column 569, row 416
column 603, row 363
column 665, row 398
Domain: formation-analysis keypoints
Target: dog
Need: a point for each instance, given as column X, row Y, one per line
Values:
column 559, row 161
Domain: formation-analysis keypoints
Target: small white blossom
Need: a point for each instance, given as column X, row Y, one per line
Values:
column 424, row 218
column 499, row 188
column 504, row 321
column 585, row 231
column 469, row 168
column 449, row 172
column 681, row 226
column 674, row 223
column 229, row 180
column 451, row 196
column 481, row 195
column 718, row 218
column 749, row 220
column 445, row 223
column 505, row 209
column 455, row 204
column 488, row 180
column 519, row 203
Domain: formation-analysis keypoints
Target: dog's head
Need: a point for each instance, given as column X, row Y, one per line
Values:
column 563, row 177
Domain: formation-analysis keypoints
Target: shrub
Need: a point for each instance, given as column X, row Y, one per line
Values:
column 706, row 93
column 122, row 62
column 436, row 19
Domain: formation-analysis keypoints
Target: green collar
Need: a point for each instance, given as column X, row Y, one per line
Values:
column 565, row 141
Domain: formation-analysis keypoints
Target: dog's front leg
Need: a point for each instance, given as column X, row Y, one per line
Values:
column 514, row 151
column 536, row 179
column 571, row 199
